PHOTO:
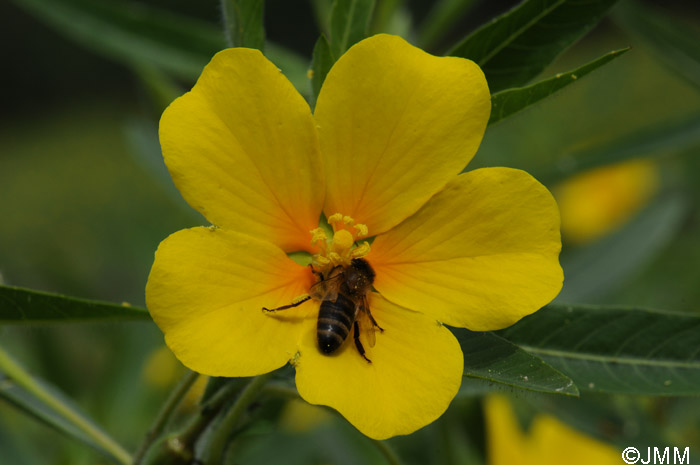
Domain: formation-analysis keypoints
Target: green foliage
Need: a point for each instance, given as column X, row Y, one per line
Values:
column 610, row 349
column 678, row 136
column 244, row 23
column 672, row 40
column 321, row 63
column 53, row 408
column 491, row 358
column 24, row 306
column 517, row 46
column 508, row 102
column 142, row 36
column 443, row 15
column 596, row 269
column 546, row 358
column 349, row 24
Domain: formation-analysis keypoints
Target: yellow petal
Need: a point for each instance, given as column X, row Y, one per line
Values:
column 206, row 291
column 396, row 124
column 415, row 372
column 481, row 254
column 505, row 440
column 548, row 442
column 242, row 148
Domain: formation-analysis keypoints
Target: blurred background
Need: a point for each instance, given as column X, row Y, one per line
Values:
column 85, row 199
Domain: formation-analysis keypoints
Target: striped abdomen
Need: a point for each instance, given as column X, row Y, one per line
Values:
column 335, row 320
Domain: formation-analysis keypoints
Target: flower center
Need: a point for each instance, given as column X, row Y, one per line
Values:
column 342, row 247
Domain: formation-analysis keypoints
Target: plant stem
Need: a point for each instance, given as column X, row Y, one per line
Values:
column 165, row 413
column 387, row 452
column 229, row 422
column 14, row 371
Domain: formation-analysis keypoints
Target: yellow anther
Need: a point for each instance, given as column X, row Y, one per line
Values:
column 334, row 258
column 342, row 240
column 318, row 235
column 362, row 230
column 360, row 251
column 335, row 218
column 348, row 221
column 321, row 260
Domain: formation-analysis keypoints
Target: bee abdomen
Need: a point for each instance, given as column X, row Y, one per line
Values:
column 334, row 322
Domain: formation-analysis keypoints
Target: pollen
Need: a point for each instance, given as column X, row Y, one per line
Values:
column 343, row 246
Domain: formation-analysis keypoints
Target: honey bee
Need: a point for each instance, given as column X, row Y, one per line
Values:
column 343, row 294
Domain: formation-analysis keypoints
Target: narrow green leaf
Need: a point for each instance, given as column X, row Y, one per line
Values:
column 491, row 358
column 600, row 267
column 508, row 102
column 672, row 40
column 671, row 137
column 131, row 32
column 136, row 34
column 20, row 398
column 440, row 19
column 613, row 349
column 515, row 47
column 349, row 24
column 52, row 407
column 243, row 20
column 25, row 306
column 321, row 63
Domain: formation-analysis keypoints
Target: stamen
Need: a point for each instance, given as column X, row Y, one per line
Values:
column 360, row 251
column 341, row 250
column 334, row 219
column 362, row 230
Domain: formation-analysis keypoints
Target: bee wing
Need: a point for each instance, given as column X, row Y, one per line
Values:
column 366, row 323
column 326, row 289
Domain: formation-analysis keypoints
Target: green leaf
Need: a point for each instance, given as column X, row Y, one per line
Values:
column 136, row 34
column 600, row 267
column 243, row 21
column 614, row 349
column 130, row 32
column 25, row 306
column 349, row 24
column 52, row 407
column 508, row 102
column 672, row 40
column 29, row 404
column 671, row 137
column 440, row 19
column 491, row 358
column 321, row 63
column 515, row 47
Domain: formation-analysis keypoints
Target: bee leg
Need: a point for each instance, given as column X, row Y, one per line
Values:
column 374, row 322
column 317, row 274
column 358, row 344
column 284, row 307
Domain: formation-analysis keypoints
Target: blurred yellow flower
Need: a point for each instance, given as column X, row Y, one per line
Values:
column 300, row 417
column 596, row 202
column 548, row 441
column 162, row 370
column 392, row 130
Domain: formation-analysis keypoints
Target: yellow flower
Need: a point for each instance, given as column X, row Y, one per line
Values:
column 548, row 441
column 392, row 129
column 599, row 201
